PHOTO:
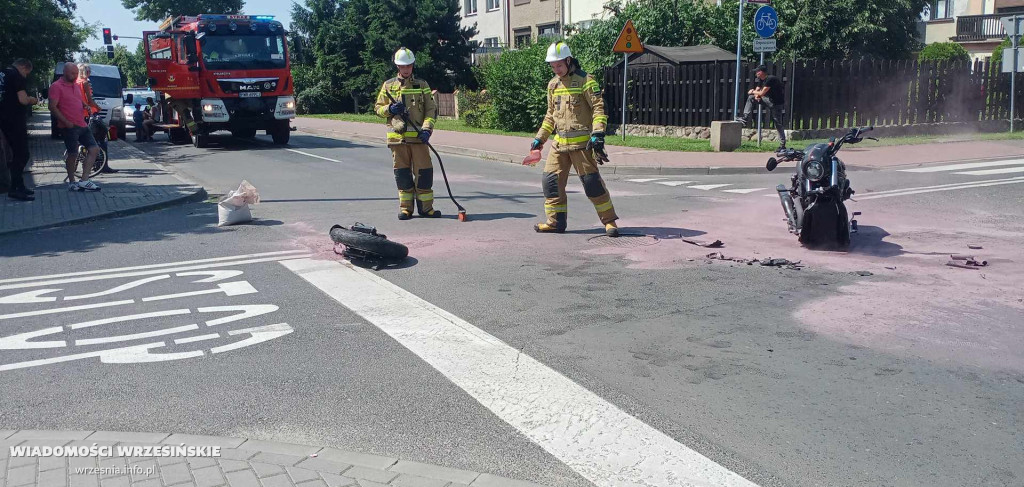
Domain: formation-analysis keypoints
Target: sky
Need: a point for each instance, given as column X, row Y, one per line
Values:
column 111, row 13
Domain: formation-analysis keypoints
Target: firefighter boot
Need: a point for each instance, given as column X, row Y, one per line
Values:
column 611, row 230
column 556, row 226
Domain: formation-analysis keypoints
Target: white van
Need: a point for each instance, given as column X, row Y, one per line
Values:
column 106, row 91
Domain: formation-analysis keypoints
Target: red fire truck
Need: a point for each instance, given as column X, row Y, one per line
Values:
column 222, row 72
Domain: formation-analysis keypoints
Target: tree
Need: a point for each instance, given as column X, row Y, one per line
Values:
column 944, row 51
column 158, row 10
column 42, row 31
column 351, row 43
column 807, row 28
column 517, row 87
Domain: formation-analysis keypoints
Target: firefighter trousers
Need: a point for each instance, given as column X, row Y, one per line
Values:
column 414, row 176
column 556, row 176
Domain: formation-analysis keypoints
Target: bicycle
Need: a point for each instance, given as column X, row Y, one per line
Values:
column 99, row 132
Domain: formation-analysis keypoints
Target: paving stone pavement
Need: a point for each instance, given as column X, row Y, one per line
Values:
column 240, row 462
column 139, row 186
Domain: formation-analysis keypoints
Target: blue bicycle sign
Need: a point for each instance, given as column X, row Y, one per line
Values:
column 766, row 21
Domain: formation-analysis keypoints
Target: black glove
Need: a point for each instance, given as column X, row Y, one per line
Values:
column 536, row 144
column 596, row 142
column 396, row 108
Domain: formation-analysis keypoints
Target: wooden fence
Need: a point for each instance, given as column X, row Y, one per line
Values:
column 819, row 94
column 445, row 104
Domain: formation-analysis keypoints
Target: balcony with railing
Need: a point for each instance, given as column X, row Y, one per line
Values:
column 974, row 28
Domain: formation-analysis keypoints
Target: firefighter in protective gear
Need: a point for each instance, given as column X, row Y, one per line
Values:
column 576, row 119
column 414, row 173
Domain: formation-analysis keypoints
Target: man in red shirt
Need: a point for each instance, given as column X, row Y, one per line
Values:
column 67, row 107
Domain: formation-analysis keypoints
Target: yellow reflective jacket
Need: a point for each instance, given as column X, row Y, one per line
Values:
column 419, row 100
column 575, row 111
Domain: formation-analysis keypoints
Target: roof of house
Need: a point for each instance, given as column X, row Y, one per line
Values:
column 689, row 54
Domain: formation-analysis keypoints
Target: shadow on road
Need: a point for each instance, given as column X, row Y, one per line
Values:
column 870, row 240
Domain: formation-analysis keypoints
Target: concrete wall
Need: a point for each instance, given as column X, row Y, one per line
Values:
column 531, row 13
column 939, row 31
column 583, row 10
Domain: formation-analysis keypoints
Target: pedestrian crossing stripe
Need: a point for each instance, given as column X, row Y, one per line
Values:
column 965, row 166
column 674, row 183
column 743, row 191
column 989, row 172
column 708, row 187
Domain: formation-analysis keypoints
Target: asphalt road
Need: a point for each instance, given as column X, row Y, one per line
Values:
column 877, row 366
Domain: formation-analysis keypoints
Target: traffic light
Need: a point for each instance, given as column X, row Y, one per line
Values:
column 110, row 52
column 106, row 36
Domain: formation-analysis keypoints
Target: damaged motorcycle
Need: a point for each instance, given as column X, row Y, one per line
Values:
column 815, row 201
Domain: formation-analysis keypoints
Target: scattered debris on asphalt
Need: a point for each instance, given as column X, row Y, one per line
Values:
column 891, row 268
column 717, row 244
column 966, row 261
column 864, row 273
column 974, row 247
column 769, row 262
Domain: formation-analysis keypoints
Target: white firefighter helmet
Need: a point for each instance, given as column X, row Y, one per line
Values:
column 558, row 51
column 404, row 57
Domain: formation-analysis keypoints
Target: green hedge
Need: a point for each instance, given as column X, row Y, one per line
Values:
column 516, row 84
column 944, row 51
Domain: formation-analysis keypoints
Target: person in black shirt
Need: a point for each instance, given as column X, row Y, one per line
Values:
column 769, row 93
column 14, row 124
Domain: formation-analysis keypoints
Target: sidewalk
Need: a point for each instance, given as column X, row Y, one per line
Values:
column 240, row 462
column 139, row 186
column 628, row 160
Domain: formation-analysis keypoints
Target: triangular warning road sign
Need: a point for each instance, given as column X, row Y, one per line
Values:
column 628, row 40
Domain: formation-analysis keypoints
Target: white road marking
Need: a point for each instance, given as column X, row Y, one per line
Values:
column 970, row 165
column 197, row 338
column 312, row 155
column 236, row 288
column 21, row 340
column 152, row 266
column 123, row 287
column 645, row 180
column 29, row 297
column 708, row 187
column 990, row 172
column 68, row 309
column 214, row 275
column 259, row 335
column 743, row 191
column 120, row 319
column 136, row 336
column 674, row 183
column 247, row 311
column 912, row 191
column 592, row 436
column 149, row 272
column 124, row 355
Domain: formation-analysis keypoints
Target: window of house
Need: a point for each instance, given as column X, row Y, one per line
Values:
column 522, row 37
column 941, row 9
column 493, row 4
column 491, row 42
column 470, row 7
column 548, row 30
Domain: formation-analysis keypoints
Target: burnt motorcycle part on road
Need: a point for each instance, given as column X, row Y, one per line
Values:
column 362, row 243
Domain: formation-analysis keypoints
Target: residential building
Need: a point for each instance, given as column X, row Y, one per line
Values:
column 489, row 17
column 973, row 24
column 533, row 19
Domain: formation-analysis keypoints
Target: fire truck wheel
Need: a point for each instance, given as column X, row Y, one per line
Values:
column 281, row 132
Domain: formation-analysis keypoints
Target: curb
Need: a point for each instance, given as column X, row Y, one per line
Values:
column 198, row 194
column 516, row 158
column 295, row 462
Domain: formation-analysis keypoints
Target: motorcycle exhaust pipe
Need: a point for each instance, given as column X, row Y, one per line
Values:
column 788, row 207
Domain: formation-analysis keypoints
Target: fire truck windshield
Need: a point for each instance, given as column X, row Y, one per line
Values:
column 243, row 51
